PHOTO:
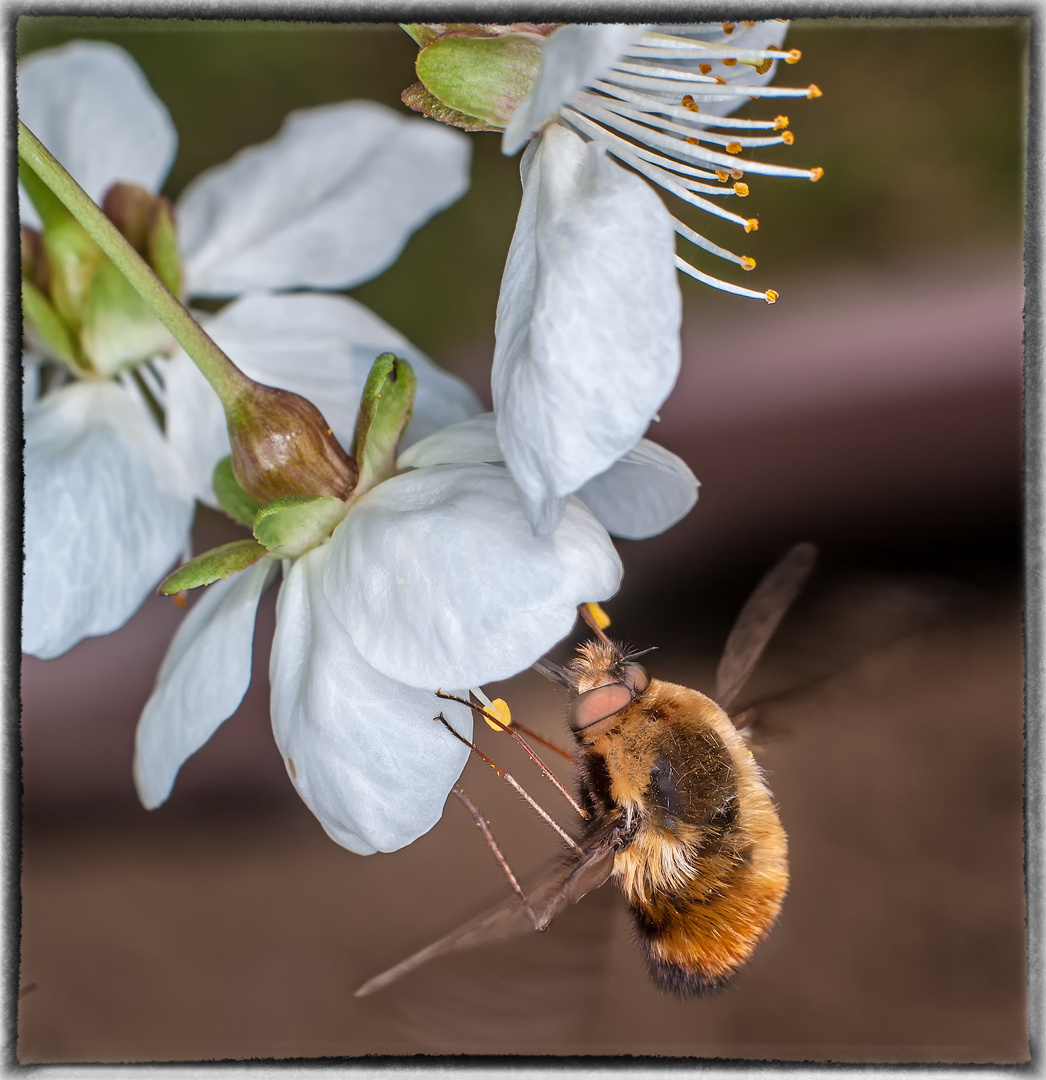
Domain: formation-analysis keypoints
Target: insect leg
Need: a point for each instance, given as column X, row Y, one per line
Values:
column 511, row 780
column 475, row 706
column 484, row 828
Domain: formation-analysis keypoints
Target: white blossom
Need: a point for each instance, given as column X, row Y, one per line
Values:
column 327, row 203
column 433, row 580
column 589, row 313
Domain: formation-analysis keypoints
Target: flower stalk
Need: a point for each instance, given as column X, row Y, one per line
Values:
column 228, row 381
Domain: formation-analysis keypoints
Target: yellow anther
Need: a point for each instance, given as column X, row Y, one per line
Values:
column 704, row 68
column 741, row 189
column 788, row 137
column 729, row 61
column 771, row 296
column 736, row 174
column 693, row 142
column 813, row 90
column 816, row 173
column 780, row 122
column 733, row 148
column 719, row 79
column 747, row 262
column 599, row 616
column 763, row 66
column 180, row 599
column 793, row 57
column 748, row 23
column 689, row 103
column 499, row 709
column 729, row 27
column 721, row 176
column 751, row 225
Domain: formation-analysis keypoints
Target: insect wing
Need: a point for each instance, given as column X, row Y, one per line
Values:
column 566, row 884
column 758, row 620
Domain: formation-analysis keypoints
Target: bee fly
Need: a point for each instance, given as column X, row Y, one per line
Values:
column 677, row 809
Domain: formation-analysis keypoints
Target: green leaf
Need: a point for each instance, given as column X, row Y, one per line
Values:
column 485, row 77
column 292, row 524
column 385, row 410
column 232, row 498
column 214, row 565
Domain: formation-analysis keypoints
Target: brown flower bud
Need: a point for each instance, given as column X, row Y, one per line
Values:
column 281, row 445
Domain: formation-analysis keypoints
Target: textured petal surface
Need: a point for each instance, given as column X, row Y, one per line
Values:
column 107, row 510
column 361, row 749
column 439, row 579
column 328, row 203
column 644, row 493
column 472, row 440
column 572, row 57
column 321, row 347
column 90, row 105
column 587, row 323
column 202, row 680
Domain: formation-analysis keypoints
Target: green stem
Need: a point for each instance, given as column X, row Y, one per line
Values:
column 228, row 381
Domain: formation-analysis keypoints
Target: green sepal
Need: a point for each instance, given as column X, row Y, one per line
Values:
column 162, row 247
column 44, row 327
column 74, row 259
column 486, row 77
column 119, row 328
column 419, row 99
column 44, row 200
column 293, row 524
column 422, row 33
column 214, row 565
column 385, row 410
column 231, row 497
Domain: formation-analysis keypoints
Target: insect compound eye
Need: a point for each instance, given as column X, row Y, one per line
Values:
column 599, row 704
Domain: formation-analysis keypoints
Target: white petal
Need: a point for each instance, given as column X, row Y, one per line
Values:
column 572, row 57
column 471, row 440
column 644, row 493
column 328, row 203
column 363, row 751
column 439, row 579
column 587, row 323
column 195, row 422
column 91, row 106
column 107, row 511
column 202, row 681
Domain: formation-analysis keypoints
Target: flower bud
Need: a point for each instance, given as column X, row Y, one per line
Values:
column 475, row 75
column 281, row 445
column 77, row 306
column 146, row 220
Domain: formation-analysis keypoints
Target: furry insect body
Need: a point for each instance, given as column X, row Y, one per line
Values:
column 703, row 857
column 677, row 810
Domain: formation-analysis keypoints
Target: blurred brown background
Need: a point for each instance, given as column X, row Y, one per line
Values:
column 875, row 409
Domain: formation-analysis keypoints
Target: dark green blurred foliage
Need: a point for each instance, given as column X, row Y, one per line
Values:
column 920, row 133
